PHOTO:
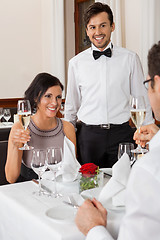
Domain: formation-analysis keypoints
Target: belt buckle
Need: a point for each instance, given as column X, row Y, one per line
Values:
column 105, row 126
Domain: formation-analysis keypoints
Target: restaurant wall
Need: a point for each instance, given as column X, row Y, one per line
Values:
column 20, row 45
column 25, row 43
column 132, row 25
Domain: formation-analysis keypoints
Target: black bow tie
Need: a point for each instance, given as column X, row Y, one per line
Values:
column 97, row 54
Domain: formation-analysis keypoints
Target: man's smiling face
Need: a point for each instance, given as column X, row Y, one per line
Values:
column 99, row 30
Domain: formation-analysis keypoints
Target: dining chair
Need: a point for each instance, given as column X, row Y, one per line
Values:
column 3, row 157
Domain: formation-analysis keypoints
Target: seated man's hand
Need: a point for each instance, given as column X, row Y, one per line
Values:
column 145, row 135
column 89, row 215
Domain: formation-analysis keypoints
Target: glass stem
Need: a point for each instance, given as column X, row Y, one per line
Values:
column 139, row 146
column 40, row 189
column 55, row 187
column 25, row 144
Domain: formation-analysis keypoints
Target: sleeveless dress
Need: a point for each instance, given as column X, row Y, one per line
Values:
column 40, row 139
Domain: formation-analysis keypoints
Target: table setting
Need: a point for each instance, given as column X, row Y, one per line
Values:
column 48, row 214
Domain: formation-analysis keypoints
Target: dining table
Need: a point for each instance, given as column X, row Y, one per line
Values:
column 26, row 215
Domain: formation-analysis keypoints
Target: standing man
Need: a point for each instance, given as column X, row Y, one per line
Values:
column 142, row 216
column 100, row 82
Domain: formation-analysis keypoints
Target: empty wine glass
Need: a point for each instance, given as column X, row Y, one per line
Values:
column 62, row 109
column 24, row 114
column 7, row 114
column 1, row 113
column 54, row 163
column 39, row 166
column 138, row 113
column 126, row 147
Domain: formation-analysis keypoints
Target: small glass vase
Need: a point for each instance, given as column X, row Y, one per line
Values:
column 89, row 181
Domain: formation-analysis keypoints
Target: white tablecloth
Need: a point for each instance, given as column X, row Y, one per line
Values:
column 22, row 214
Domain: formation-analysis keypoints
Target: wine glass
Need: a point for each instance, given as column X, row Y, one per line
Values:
column 7, row 114
column 126, row 147
column 38, row 164
column 24, row 114
column 1, row 113
column 54, row 163
column 62, row 109
column 138, row 113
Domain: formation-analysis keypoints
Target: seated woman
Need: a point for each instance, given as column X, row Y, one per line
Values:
column 45, row 129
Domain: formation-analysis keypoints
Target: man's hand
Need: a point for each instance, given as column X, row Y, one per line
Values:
column 145, row 135
column 89, row 215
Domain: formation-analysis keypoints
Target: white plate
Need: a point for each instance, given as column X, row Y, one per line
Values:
column 62, row 213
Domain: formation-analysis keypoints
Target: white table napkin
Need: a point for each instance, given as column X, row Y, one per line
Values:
column 70, row 166
column 115, row 188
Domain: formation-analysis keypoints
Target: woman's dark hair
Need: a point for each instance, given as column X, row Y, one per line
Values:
column 154, row 61
column 39, row 86
column 96, row 8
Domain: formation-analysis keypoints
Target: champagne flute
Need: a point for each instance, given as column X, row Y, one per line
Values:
column 39, row 166
column 138, row 113
column 126, row 147
column 54, row 163
column 7, row 114
column 24, row 114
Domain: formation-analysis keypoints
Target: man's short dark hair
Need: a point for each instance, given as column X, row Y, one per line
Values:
column 96, row 8
column 154, row 61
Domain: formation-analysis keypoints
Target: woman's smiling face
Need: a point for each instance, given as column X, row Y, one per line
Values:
column 50, row 102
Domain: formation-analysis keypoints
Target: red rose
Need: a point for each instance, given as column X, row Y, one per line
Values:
column 88, row 168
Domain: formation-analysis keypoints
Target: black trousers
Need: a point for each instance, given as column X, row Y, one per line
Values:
column 100, row 146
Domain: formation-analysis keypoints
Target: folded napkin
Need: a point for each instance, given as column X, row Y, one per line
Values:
column 115, row 188
column 70, row 166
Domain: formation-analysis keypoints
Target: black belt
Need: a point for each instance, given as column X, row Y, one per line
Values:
column 106, row 126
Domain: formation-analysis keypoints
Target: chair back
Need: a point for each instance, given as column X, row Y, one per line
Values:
column 3, row 157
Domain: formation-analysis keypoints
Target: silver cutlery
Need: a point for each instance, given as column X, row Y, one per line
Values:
column 107, row 174
column 43, row 186
column 71, row 204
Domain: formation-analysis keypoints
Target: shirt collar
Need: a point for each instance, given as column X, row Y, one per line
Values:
column 110, row 45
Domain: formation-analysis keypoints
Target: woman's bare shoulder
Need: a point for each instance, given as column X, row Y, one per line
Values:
column 69, row 131
column 68, row 126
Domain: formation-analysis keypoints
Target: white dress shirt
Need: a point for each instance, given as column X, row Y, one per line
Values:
column 142, row 218
column 98, row 91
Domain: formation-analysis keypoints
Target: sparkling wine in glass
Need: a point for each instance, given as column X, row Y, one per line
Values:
column 39, row 166
column 24, row 114
column 138, row 113
column 54, row 163
column 7, row 114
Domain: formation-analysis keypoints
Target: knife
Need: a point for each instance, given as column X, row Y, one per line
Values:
column 71, row 204
column 43, row 186
column 107, row 174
